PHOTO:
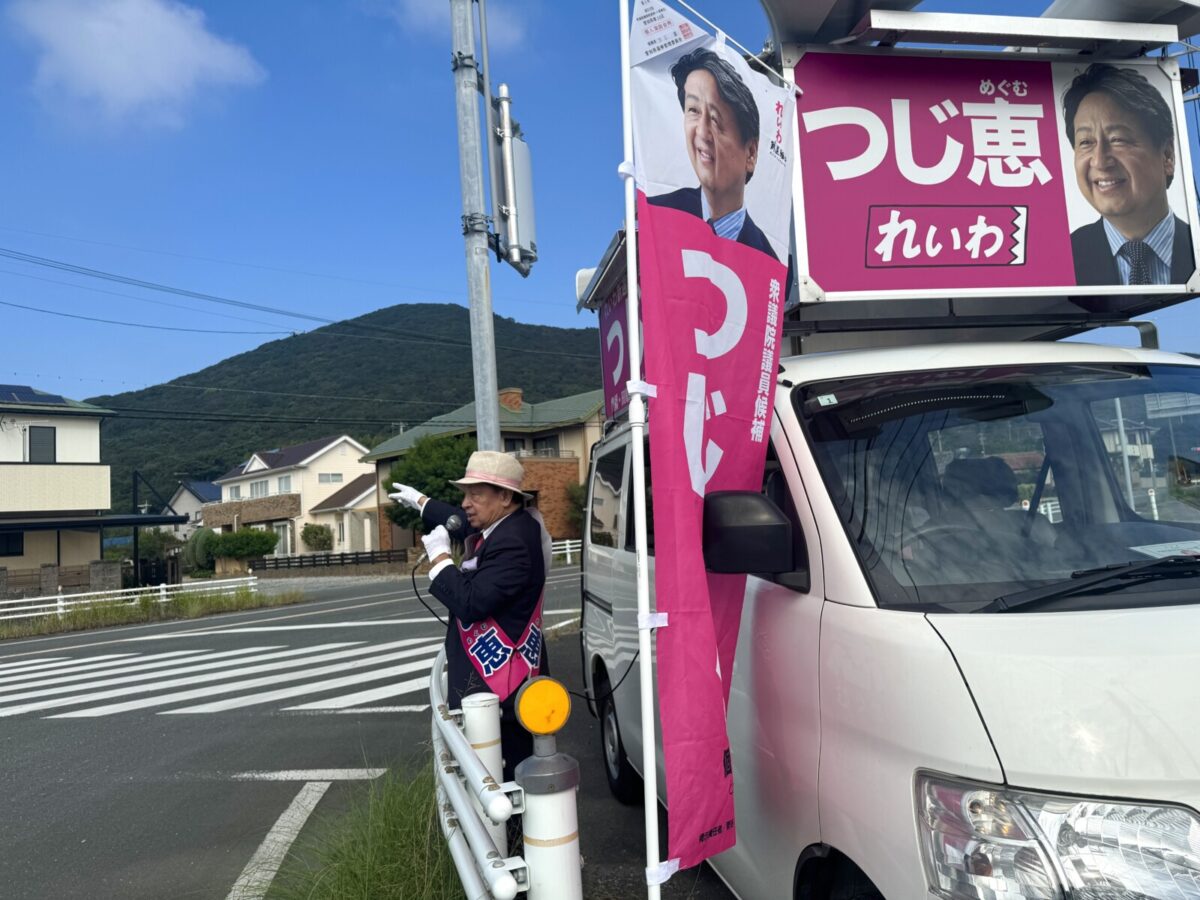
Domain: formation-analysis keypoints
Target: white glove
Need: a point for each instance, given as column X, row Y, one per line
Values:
column 409, row 496
column 436, row 542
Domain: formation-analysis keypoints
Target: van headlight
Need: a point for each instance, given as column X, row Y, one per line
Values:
column 983, row 841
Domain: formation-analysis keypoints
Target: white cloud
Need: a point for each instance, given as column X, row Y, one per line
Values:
column 125, row 59
column 506, row 31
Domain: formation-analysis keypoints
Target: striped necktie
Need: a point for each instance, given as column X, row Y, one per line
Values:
column 1138, row 254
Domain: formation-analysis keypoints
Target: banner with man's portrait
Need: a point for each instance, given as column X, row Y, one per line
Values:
column 712, row 148
column 992, row 175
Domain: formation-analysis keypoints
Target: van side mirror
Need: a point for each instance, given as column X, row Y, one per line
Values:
column 744, row 533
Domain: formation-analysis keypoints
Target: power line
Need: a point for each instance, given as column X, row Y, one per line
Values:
column 437, row 292
column 212, row 298
column 96, row 290
column 51, row 312
column 171, row 415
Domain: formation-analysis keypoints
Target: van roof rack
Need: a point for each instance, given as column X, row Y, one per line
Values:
column 895, row 321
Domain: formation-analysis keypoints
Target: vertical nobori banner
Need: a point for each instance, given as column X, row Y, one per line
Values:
column 712, row 147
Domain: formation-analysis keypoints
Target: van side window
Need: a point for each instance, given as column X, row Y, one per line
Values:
column 776, row 490
column 629, row 537
column 608, row 485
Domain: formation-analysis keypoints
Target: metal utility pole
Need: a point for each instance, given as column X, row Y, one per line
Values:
column 475, row 226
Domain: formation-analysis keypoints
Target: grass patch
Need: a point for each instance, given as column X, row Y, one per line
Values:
column 188, row 605
column 388, row 846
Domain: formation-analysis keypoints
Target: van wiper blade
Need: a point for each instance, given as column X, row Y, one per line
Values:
column 1166, row 567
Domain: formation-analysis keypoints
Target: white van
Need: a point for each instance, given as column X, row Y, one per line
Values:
column 978, row 673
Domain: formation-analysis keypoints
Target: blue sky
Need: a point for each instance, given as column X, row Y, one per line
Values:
column 298, row 155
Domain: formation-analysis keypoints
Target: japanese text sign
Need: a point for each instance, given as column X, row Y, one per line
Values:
column 948, row 176
column 614, row 350
column 712, row 154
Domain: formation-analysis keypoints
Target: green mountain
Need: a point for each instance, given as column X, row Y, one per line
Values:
column 366, row 377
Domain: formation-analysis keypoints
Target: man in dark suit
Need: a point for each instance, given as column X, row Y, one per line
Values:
column 1124, row 139
column 494, row 636
column 720, row 129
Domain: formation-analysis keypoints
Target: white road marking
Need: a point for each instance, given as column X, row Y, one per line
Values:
column 213, row 690
column 311, row 775
column 314, row 687
column 256, row 878
column 562, row 625
column 301, row 711
column 122, row 667
column 368, row 696
column 58, row 663
column 288, row 655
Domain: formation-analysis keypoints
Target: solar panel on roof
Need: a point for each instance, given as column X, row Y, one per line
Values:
column 19, row 393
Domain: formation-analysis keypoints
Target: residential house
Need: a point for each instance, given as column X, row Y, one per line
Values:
column 350, row 515
column 551, row 439
column 55, row 492
column 278, row 489
column 188, row 500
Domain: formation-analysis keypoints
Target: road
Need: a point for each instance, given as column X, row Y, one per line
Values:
column 153, row 761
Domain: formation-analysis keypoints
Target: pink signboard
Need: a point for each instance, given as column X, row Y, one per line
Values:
column 713, row 171
column 614, row 351
column 958, row 175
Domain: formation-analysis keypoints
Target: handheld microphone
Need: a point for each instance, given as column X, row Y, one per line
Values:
column 453, row 523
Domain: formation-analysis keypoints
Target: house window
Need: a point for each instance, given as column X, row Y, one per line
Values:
column 341, row 532
column 285, row 484
column 546, row 446
column 235, row 492
column 329, row 478
column 259, row 488
column 511, row 444
column 42, row 444
column 12, row 544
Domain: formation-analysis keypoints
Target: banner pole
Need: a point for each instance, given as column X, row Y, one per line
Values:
column 637, row 422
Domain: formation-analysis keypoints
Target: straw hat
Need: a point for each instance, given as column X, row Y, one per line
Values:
column 495, row 468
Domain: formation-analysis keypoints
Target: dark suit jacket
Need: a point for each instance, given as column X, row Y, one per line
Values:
column 505, row 585
column 1095, row 263
column 688, row 200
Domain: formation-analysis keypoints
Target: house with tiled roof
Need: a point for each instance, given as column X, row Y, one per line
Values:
column 55, row 493
column 188, row 500
column 349, row 514
column 278, row 489
column 552, row 440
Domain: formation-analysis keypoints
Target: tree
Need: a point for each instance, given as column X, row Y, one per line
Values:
column 429, row 466
column 155, row 544
column 317, row 537
column 198, row 551
column 245, row 543
column 577, row 498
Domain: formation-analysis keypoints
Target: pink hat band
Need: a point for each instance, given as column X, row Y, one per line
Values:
column 492, row 479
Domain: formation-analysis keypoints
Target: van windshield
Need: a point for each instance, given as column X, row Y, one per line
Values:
column 961, row 486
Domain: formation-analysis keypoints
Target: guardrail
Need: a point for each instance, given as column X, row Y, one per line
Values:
column 570, row 549
column 473, row 808
column 321, row 560
column 59, row 604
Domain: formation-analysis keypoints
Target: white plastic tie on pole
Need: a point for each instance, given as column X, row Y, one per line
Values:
column 642, row 387
column 625, row 169
column 662, row 873
column 647, row 621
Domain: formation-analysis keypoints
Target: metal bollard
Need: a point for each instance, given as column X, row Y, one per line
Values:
column 550, row 780
column 481, row 728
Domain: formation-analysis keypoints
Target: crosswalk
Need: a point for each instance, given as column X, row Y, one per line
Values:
column 335, row 677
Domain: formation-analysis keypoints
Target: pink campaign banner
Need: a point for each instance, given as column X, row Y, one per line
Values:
column 713, row 212
column 941, row 173
column 614, row 351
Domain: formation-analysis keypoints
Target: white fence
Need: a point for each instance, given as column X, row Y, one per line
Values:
column 58, row 604
column 569, row 549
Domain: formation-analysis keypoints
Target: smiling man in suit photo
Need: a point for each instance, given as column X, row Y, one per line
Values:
column 1123, row 135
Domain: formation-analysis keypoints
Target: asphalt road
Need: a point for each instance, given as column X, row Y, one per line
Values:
column 153, row 761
